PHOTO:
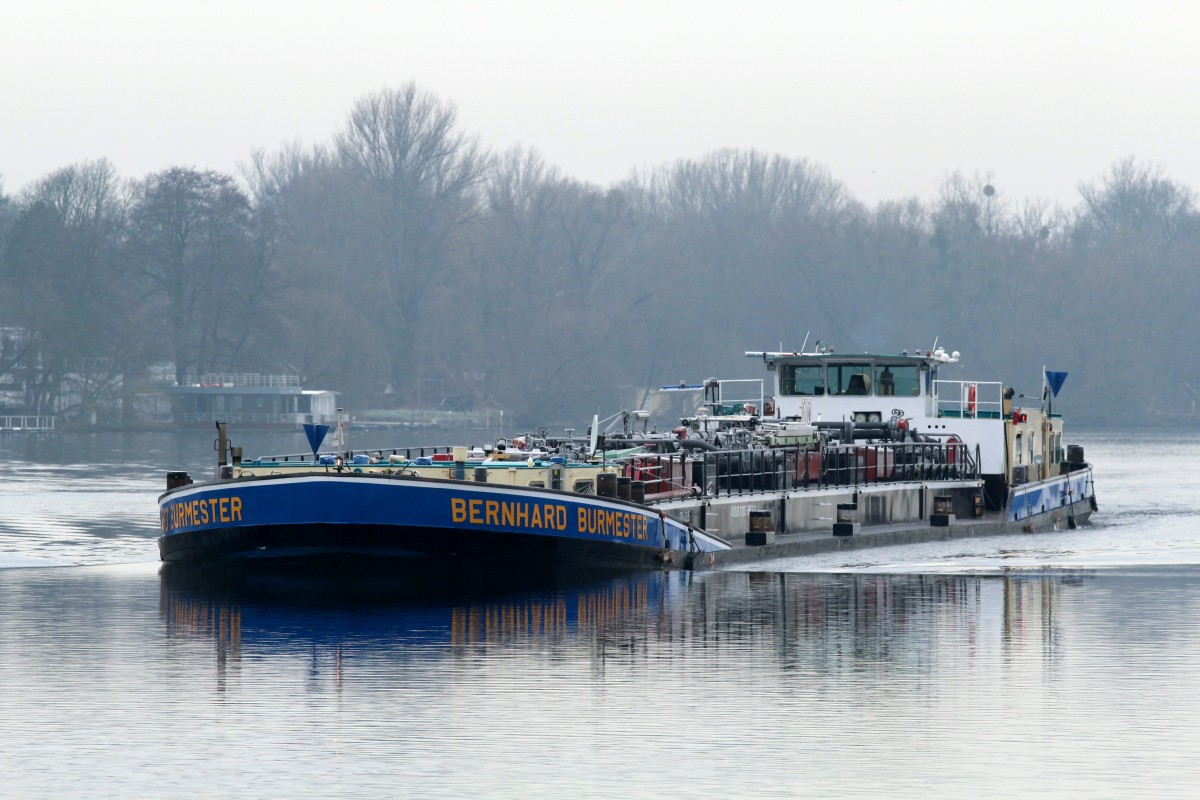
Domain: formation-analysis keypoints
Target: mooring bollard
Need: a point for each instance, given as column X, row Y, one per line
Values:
column 606, row 484
column 177, row 479
column 637, row 491
column 481, row 474
column 623, row 492
column 762, row 530
column 943, row 511
column 847, row 520
column 459, row 455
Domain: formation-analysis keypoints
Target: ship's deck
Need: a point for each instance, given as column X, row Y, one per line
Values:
column 793, row 545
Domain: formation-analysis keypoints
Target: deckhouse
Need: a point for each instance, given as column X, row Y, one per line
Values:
column 903, row 394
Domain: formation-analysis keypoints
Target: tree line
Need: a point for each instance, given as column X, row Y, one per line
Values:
column 402, row 259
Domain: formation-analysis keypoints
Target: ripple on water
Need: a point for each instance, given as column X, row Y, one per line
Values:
column 724, row 684
column 1060, row 664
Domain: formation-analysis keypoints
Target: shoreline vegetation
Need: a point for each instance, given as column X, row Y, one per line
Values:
column 403, row 260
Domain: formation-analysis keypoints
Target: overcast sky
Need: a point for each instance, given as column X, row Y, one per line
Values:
column 890, row 96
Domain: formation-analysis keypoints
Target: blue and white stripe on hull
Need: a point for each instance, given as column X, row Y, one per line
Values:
column 404, row 516
column 1039, row 497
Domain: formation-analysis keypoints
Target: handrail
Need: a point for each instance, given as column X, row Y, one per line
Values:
column 409, row 453
column 241, row 379
column 969, row 399
column 897, row 463
column 20, row 422
column 739, row 472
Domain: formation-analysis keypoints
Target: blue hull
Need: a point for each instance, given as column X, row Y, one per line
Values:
column 1040, row 497
column 304, row 516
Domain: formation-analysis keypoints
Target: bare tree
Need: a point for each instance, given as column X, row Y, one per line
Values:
column 549, row 254
column 191, row 233
column 422, row 178
column 1136, row 201
column 64, row 263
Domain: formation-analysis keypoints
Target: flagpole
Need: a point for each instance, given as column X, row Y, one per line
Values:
column 1044, row 467
column 1049, row 394
column 1045, row 392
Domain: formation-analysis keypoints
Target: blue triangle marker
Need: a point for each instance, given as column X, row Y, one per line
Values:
column 1055, row 379
column 316, row 435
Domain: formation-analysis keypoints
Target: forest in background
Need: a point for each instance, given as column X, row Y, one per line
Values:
column 403, row 261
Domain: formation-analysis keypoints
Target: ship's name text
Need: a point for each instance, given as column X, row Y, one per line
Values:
column 547, row 516
column 202, row 511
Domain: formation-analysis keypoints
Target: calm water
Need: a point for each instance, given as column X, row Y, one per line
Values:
column 1061, row 664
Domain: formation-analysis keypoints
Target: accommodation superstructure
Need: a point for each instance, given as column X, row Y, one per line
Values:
column 902, row 396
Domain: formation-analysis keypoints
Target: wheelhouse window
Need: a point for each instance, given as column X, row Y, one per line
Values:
column 897, row 379
column 798, row 379
column 850, row 379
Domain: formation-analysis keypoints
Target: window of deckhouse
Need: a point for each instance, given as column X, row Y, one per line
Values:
column 850, row 379
column 797, row 379
column 897, row 379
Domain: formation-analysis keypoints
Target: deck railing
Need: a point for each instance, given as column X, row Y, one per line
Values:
column 22, row 424
column 738, row 472
column 242, row 379
column 969, row 399
column 897, row 463
column 407, row 453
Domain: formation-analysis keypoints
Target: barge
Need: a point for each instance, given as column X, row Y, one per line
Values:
column 828, row 451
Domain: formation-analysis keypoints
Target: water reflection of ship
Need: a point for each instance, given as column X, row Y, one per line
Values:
column 831, row 622
column 283, row 612
column 1030, row 609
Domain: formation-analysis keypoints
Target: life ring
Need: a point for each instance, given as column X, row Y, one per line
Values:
column 971, row 399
